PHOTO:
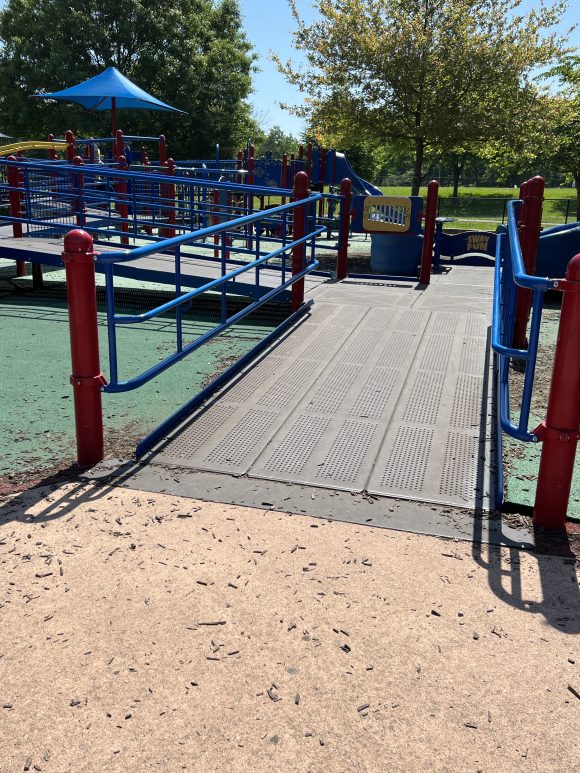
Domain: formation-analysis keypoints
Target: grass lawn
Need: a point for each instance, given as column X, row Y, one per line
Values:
column 501, row 193
column 484, row 208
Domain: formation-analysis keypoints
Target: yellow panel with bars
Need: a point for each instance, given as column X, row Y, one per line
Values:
column 387, row 214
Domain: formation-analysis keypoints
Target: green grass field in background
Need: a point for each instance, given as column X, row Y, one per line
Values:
column 501, row 193
column 483, row 208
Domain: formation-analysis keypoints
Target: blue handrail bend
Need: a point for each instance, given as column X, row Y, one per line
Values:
column 510, row 273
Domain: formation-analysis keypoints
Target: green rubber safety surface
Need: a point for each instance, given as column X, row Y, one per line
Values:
column 37, row 425
column 522, row 460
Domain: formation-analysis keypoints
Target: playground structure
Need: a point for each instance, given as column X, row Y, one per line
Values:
column 212, row 227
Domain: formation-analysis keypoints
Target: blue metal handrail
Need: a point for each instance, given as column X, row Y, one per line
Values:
column 510, row 274
column 55, row 200
column 109, row 259
column 121, row 256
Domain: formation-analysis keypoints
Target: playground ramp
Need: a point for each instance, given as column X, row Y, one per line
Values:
column 383, row 387
column 155, row 268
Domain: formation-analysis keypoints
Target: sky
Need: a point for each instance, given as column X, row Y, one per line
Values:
column 268, row 25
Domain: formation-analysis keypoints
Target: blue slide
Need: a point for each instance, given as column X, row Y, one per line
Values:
column 338, row 167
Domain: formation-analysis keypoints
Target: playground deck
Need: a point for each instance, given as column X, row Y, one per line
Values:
column 383, row 387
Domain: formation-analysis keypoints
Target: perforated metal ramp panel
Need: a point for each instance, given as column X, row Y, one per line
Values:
column 358, row 396
column 437, row 447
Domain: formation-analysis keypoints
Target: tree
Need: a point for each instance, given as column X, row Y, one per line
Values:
column 277, row 143
column 561, row 123
column 426, row 74
column 190, row 53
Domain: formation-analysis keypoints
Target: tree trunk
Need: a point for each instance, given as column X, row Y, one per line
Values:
column 456, row 173
column 418, row 171
column 576, row 176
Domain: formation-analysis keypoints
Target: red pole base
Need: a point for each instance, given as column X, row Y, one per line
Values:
column 561, row 429
column 87, row 378
column 554, row 477
column 88, row 419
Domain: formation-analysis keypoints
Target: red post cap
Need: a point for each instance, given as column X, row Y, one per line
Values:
column 78, row 241
column 573, row 270
column 301, row 185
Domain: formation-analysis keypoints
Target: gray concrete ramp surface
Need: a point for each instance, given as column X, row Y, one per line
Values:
column 377, row 389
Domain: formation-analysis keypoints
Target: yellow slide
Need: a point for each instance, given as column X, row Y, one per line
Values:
column 19, row 147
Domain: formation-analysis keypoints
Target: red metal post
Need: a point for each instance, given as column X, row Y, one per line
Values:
column 123, row 200
column 345, row 205
column 215, row 219
column 299, row 230
column 561, row 429
column 429, row 232
column 86, row 379
column 119, row 144
column 322, row 177
column 251, row 166
column 292, row 166
column 114, row 117
column 162, row 149
column 52, row 154
column 148, row 193
column 300, row 152
column 14, row 197
column 79, row 199
column 71, row 149
column 529, row 228
column 284, row 174
column 309, row 161
column 171, row 197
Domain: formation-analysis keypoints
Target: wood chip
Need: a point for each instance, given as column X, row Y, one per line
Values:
column 574, row 691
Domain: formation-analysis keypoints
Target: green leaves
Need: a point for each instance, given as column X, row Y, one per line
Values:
column 190, row 53
column 426, row 73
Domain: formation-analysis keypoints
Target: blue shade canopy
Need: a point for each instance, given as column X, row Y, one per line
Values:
column 110, row 90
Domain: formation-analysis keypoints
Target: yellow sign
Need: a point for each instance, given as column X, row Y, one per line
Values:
column 388, row 214
column 477, row 243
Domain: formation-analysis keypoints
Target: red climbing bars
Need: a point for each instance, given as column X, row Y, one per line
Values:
column 86, row 378
column 429, row 232
column 560, row 431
